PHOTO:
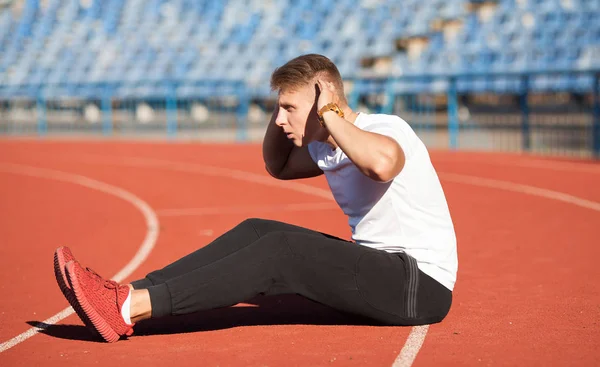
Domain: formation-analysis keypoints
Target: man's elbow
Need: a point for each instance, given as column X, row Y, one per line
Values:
column 388, row 167
column 383, row 173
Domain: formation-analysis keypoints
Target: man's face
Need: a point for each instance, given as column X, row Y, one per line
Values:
column 297, row 114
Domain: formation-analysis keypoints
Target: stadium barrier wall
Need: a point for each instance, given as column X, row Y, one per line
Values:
column 552, row 112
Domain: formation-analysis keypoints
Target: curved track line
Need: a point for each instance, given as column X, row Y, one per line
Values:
column 208, row 171
column 525, row 189
column 417, row 336
column 411, row 348
column 555, row 166
column 530, row 163
column 141, row 254
column 245, row 209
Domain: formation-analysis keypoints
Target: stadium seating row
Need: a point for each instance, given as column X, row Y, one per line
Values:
column 147, row 42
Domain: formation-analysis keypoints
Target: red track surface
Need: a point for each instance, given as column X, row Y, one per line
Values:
column 527, row 290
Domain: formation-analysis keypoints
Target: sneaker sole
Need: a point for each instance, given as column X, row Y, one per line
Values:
column 61, row 279
column 97, row 320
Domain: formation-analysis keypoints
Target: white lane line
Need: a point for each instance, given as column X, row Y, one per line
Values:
column 556, row 166
column 245, row 209
column 411, row 348
column 139, row 257
column 591, row 167
column 208, row 171
column 525, row 189
column 417, row 334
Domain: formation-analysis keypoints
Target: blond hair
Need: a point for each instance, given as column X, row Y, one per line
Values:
column 305, row 69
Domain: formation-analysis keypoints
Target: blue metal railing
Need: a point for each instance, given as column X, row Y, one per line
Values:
column 416, row 98
column 571, row 129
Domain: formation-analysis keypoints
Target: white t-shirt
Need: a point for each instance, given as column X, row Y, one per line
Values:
column 407, row 214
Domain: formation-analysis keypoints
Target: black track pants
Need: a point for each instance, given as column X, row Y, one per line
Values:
column 263, row 257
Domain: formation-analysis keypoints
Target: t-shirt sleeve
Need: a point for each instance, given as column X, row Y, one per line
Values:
column 312, row 150
column 397, row 130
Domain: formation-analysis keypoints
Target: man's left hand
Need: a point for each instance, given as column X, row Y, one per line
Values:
column 327, row 94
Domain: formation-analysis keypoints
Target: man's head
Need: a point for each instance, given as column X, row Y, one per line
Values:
column 296, row 84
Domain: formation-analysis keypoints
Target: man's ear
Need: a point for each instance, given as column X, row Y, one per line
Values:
column 317, row 92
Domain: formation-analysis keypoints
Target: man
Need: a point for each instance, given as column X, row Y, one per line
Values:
column 399, row 268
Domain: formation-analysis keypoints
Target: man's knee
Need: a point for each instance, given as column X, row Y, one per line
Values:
column 250, row 223
column 275, row 237
column 262, row 227
column 276, row 242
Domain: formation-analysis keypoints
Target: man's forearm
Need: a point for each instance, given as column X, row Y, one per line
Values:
column 376, row 156
column 276, row 147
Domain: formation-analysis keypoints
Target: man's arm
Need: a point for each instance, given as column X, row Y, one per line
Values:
column 276, row 147
column 376, row 156
column 283, row 160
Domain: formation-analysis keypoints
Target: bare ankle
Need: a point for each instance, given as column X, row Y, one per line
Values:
column 141, row 308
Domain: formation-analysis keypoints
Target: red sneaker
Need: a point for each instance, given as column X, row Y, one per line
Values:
column 62, row 256
column 101, row 301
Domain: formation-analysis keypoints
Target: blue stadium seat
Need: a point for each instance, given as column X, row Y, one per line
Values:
column 131, row 41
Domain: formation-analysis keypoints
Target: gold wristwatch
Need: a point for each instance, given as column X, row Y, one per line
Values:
column 329, row 107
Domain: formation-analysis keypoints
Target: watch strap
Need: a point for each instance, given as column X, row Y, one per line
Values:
column 329, row 107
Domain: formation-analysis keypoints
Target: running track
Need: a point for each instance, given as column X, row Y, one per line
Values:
column 527, row 230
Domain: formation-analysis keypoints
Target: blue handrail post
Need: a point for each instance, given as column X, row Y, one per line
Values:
column 524, row 104
column 241, row 114
column 389, row 99
column 42, row 123
column 106, row 107
column 354, row 95
column 413, row 106
column 453, row 126
column 171, row 107
column 596, row 120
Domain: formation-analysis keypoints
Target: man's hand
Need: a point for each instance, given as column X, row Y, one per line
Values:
column 326, row 93
column 377, row 156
